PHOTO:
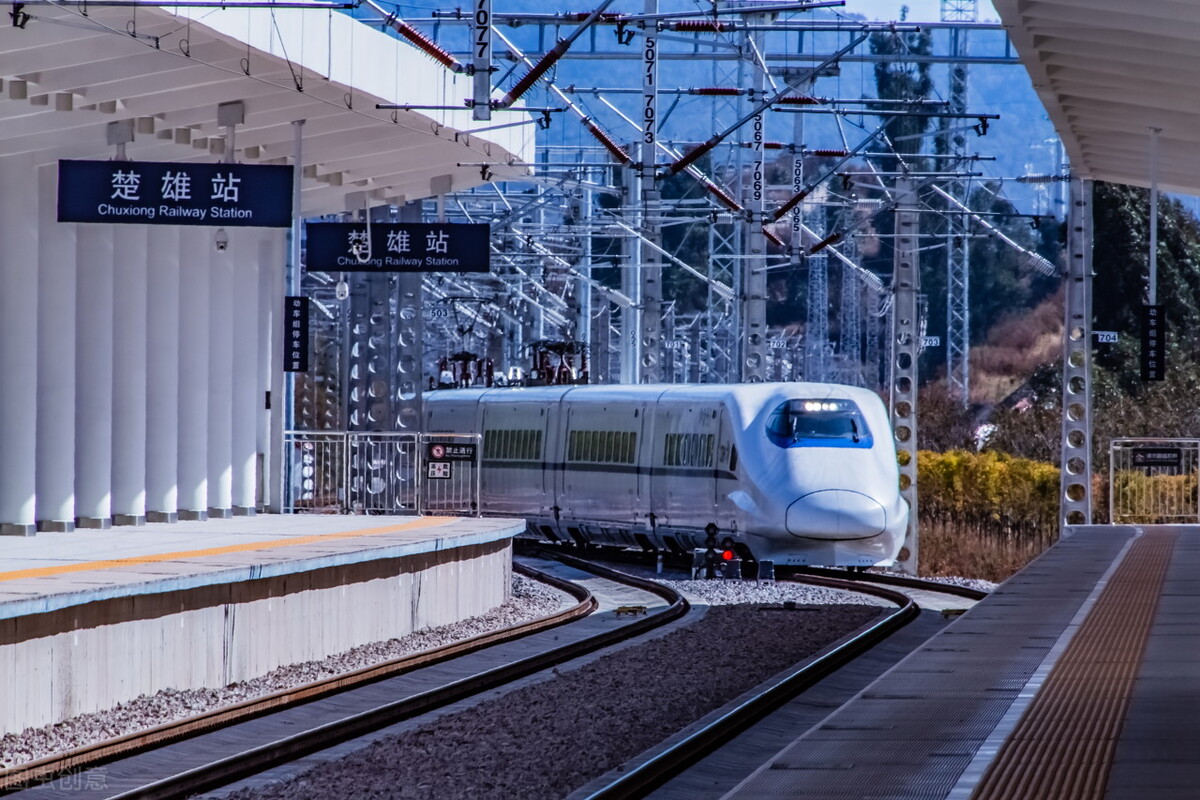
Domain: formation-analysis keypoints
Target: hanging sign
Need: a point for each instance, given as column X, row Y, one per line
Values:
column 396, row 247
column 295, row 334
column 1154, row 352
column 163, row 193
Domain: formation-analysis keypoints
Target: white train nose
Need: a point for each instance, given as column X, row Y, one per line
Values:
column 835, row 514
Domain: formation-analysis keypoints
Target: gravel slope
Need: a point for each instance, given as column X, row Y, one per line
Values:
column 530, row 600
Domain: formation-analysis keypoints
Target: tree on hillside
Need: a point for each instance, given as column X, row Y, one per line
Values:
column 1120, row 259
column 900, row 80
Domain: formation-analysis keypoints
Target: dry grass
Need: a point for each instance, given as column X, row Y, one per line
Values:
column 973, row 552
column 1016, row 347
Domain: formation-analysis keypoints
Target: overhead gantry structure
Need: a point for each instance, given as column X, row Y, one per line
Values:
column 141, row 363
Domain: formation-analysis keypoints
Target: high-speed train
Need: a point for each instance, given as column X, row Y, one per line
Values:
column 795, row 473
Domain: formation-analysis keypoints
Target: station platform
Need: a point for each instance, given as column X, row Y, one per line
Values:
column 90, row 619
column 1079, row 677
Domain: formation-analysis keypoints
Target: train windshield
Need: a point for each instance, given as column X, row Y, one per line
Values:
column 818, row 423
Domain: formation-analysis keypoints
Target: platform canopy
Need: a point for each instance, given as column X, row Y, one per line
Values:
column 1108, row 71
column 68, row 70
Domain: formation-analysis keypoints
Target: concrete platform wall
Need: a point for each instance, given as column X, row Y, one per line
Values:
column 93, row 657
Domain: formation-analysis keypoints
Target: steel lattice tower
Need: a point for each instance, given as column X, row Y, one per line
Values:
column 958, row 265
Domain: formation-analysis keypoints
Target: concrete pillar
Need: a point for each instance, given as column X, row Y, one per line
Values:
column 55, row 462
column 270, row 269
column 18, row 346
column 129, row 376
column 195, row 248
column 244, row 360
column 94, row 376
column 220, row 375
column 162, row 380
column 274, row 349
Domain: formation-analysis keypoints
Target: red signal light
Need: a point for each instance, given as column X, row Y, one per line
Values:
column 727, row 555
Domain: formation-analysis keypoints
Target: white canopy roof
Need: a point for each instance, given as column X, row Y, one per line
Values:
column 71, row 70
column 1110, row 70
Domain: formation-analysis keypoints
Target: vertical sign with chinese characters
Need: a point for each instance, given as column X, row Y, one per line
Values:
column 1154, row 335
column 162, row 193
column 396, row 247
column 295, row 334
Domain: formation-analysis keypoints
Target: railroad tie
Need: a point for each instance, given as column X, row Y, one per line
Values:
column 1063, row 745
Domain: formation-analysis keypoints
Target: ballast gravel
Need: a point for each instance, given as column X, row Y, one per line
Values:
column 546, row 740
column 530, row 600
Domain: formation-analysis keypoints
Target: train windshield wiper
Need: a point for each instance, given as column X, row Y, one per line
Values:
column 854, row 429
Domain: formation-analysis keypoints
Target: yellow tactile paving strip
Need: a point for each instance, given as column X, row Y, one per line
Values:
column 271, row 544
column 1063, row 746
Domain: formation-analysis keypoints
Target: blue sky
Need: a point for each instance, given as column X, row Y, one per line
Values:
column 919, row 10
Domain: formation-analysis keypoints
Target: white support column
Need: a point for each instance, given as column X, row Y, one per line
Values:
column 196, row 247
column 244, row 361
column 94, row 376
column 162, row 383
column 273, row 349
column 270, row 378
column 55, row 462
column 18, row 347
column 220, row 376
column 129, row 376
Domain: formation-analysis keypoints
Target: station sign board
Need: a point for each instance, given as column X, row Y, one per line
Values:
column 396, row 247
column 165, row 193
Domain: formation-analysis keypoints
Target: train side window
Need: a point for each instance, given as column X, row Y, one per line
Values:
column 537, row 446
column 733, row 459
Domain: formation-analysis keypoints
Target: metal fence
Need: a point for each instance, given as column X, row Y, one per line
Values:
column 1154, row 481
column 336, row 472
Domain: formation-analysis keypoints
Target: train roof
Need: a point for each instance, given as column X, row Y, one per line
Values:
column 647, row 391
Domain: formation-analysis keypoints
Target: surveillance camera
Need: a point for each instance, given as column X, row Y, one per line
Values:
column 221, row 240
column 342, row 290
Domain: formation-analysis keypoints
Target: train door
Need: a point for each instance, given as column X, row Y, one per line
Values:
column 665, row 418
column 600, row 449
column 514, row 477
column 686, row 465
column 726, row 468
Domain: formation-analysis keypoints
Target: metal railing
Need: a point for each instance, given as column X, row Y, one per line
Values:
column 339, row 472
column 1154, row 481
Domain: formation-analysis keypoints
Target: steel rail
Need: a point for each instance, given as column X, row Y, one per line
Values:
column 271, row 754
column 93, row 755
column 908, row 582
column 665, row 765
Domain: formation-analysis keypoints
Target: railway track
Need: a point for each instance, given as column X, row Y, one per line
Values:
column 246, row 760
column 274, row 751
column 639, row 780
